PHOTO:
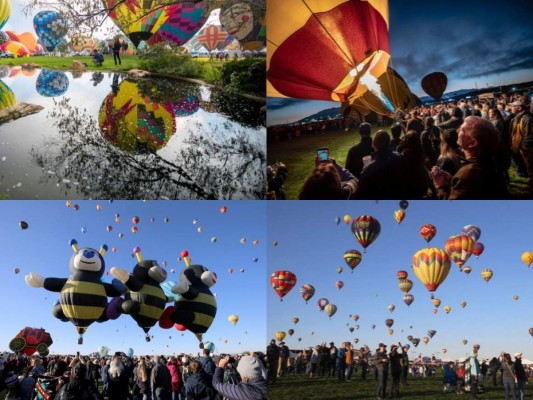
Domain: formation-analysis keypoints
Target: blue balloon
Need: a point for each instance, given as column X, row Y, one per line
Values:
column 51, row 27
column 51, row 83
column 83, row 229
column 130, row 352
column 167, row 286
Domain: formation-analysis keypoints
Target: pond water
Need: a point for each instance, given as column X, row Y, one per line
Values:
column 104, row 135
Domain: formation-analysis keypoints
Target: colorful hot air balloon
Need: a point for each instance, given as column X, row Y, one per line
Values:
column 280, row 335
column 467, row 270
column 233, row 318
column 391, row 307
column 486, row 274
column 134, row 122
column 408, row 299
column 337, row 219
column 401, row 275
column 405, row 285
column 463, row 304
column 432, row 333
column 472, row 231
column 436, row 302
column 307, row 291
column 459, row 248
column 356, row 317
column 139, row 20
column 365, row 229
column 245, row 21
column 18, row 49
column 399, row 215
column 403, row 204
column 434, row 84
column 527, row 258
column 431, row 267
column 347, row 219
column 322, row 303
column 5, row 11
column 282, row 282
column 389, row 322
column 51, row 27
column 29, row 340
column 339, row 270
column 339, row 284
column 447, row 309
column 213, row 37
column 428, row 232
column 478, row 249
column 330, row 309
column 51, row 83
column 7, row 97
column 352, row 258
column 184, row 20
column 295, row 320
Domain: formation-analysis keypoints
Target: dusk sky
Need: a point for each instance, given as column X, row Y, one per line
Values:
column 472, row 43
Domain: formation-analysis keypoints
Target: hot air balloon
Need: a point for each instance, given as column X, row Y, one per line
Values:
column 200, row 229
column 425, row 339
column 51, row 84
column 351, row 329
column 408, row 299
column 17, row 48
column 436, row 302
column 255, row 242
column 23, row 225
column 467, row 270
column 290, row 332
column 133, row 122
column 356, row 317
column 352, row 258
column 431, row 267
column 29, row 340
column 347, row 219
column 459, row 248
column 213, row 239
column 322, row 303
column 527, row 258
column 515, row 297
column 389, row 322
column 432, row 333
column 401, row 275
column 245, row 21
column 51, row 27
column 391, row 307
column 531, row 331
column 233, row 318
column 405, row 285
column 339, row 270
column 486, row 274
column 138, row 20
column 434, row 311
column 365, row 229
column 444, row 351
column 434, row 84
column 243, row 240
column 282, row 282
column 339, row 284
column 307, row 291
column 428, row 232
column 399, row 215
column 134, row 229
column 16, row 270
column 5, row 12
column 403, row 204
column 295, row 320
column 472, row 231
column 213, row 37
column 447, row 309
column 7, row 97
column 478, row 249
column 337, row 219
column 465, row 341
column 330, row 309
column 416, row 341
column 230, row 270
column 184, row 20
column 4, row 37
column 280, row 335
column 109, row 228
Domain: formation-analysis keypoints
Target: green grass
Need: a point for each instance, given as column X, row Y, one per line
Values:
column 301, row 387
column 298, row 155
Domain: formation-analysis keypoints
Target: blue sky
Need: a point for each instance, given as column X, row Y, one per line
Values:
column 312, row 245
column 44, row 248
column 472, row 44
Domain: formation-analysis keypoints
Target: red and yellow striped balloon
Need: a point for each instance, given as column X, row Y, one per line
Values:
column 282, row 282
column 459, row 248
column 431, row 266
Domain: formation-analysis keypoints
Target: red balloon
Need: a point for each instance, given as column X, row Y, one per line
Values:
column 180, row 327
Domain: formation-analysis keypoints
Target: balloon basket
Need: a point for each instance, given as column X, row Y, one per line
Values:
column 80, row 340
column 147, row 337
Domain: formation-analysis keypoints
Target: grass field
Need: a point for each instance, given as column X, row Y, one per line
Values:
column 301, row 387
column 298, row 155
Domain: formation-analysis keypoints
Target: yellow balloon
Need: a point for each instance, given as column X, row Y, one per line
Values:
column 431, row 267
column 447, row 309
column 527, row 258
column 399, row 215
column 347, row 219
column 280, row 335
column 486, row 274
column 233, row 318
column 425, row 340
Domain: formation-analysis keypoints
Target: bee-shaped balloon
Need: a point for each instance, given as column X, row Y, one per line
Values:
column 145, row 301
column 196, row 307
column 83, row 298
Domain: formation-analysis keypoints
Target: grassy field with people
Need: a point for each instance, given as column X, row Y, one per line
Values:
column 328, row 388
column 298, row 154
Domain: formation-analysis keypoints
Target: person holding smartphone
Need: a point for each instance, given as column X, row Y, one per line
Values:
column 329, row 180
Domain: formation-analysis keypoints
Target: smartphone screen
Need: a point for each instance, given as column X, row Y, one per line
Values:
column 323, row 154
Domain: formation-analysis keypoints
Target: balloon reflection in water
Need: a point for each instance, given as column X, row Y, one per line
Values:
column 52, row 83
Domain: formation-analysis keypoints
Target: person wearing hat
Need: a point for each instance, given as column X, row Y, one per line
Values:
column 253, row 385
column 332, row 359
column 521, row 132
column 354, row 158
column 521, row 376
column 283, row 363
column 405, row 363
column 395, row 359
column 381, row 362
column 272, row 361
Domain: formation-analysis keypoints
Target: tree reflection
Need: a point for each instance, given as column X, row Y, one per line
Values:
column 209, row 166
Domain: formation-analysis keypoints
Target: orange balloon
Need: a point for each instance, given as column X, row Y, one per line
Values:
column 29, row 40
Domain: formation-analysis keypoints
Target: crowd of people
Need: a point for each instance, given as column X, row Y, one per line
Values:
column 461, row 150
column 119, row 377
column 341, row 363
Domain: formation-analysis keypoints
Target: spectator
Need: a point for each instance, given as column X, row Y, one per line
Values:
column 382, row 367
column 396, row 131
column 142, row 389
column 160, row 381
column 118, row 380
column 253, row 385
column 116, row 51
column 453, row 123
column 98, row 58
column 173, row 366
column 354, row 159
column 199, row 384
column 520, row 373
column 509, row 378
column 450, row 153
column 207, row 363
column 276, row 176
column 284, row 354
column 416, row 187
column 272, row 360
column 329, row 181
column 521, row 132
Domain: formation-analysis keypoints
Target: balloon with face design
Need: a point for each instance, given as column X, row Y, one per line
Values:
column 196, row 307
column 83, row 298
column 145, row 301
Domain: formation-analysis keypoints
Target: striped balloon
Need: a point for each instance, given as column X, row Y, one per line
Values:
column 408, row 299
column 5, row 11
column 405, row 285
column 185, row 19
column 478, row 249
column 431, row 266
column 282, row 282
column 486, row 274
column 322, row 303
column 7, row 97
column 428, row 232
column 307, row 291
column 459, row 248
column 365, row 229
column 352, row 258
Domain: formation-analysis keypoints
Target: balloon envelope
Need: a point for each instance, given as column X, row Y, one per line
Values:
column 431, row 267
column 245, row 21
column 365, row 229
column 184, row 20
column 434, row 84
column 51, row 27
column 282, row 282
column 5, row 11
column 52, row 83
column 428, row 232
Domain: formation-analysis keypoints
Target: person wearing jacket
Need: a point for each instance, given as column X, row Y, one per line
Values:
column 253, row 385
column 207, row 363
column 521, row 376
column 173, row 366
column 160, row 381
column 509, row 378
column 199, row 385
column 453, row 123
column 329, row 181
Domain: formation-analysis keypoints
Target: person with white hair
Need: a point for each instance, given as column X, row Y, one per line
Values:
column 118, row 381
column 253, row 385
